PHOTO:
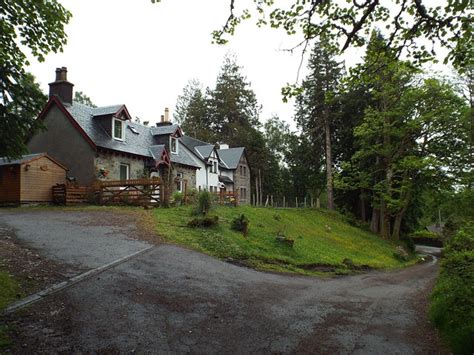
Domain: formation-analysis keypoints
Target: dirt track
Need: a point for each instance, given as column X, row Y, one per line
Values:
column 173, row 299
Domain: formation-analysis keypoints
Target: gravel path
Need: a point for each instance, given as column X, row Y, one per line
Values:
column 171, row 299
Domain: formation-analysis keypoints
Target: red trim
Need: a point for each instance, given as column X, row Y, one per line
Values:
column 164, row 159
column 55, row 100
column 45, row 155
column 123, row 109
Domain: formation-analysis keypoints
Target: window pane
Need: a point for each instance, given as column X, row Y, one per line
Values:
column 124, row 171
column 118, row 129
column 173, row 145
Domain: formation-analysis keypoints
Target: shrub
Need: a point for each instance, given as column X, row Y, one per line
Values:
column 425, row 234
column 240, row 224
column 204, row 222
column 204, row 202
column 192, row 196
column 178, row 198
column 452, row 301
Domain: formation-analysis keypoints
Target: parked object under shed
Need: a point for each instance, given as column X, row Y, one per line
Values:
column 29, row 179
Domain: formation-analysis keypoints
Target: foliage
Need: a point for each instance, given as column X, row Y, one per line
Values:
column 204, row 222
column 177, row 197
column 204, row 202
column 452, row 301
column 317, row 104
column 407, row 24
column 39, row 27
column 314, row 244
column 82, row 98
column 240, row 224
column 425, row 234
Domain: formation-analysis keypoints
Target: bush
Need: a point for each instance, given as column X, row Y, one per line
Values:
column 425, row 234
column 204, row 222
column 204, row 202
column 240, row 224
column 452, row 301
column 178, row 198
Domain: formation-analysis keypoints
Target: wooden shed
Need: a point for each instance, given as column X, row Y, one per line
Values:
column 29, row 179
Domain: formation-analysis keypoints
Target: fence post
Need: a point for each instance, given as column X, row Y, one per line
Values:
column 296, row 199
column 284, row 202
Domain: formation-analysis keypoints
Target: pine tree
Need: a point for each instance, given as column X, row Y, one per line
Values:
column 317, row 107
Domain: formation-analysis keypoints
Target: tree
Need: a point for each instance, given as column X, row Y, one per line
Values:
column 317, row 105
column 38, row 26
column 82, row 98
column 409, row 130
column 191, row 112
column 408, row 24
column 19, row 116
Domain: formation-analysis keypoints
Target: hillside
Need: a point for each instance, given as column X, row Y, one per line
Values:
column 322, row 240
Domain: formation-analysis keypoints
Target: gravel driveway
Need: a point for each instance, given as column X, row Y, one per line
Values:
column 171, row 299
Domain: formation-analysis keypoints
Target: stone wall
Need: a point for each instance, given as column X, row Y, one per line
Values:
column 242, row 181
column 107, row 166
column 189, row 174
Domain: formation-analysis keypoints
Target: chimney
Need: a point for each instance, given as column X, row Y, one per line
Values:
column 61, row 87
column 167, row 114
column 223, row 146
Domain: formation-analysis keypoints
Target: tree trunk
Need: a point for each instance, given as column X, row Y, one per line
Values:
column 374, row 221
column 256, row 191
column 329, row 172
column 363, row 212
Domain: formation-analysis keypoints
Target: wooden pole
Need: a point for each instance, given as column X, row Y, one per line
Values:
column 272, row 201
column 318, row 202
column 296, row 199
column 312, row 201
column 304, row 202
column 284, row 202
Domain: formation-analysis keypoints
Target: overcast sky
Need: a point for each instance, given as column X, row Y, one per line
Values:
column 143, row 54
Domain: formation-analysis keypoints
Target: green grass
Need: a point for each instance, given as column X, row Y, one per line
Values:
column 9, row 289
column 320, row 238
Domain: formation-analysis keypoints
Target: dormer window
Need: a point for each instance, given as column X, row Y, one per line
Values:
column 117, row 129
column 174, row 145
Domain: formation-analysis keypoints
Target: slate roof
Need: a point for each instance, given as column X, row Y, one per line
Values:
column 162, row 130
column 106, row 110
column 134, row 143
column 141, row 142
column 184, row 158
column 156, row 151
column 231, row 156
column 225, row 179
column 23, row 159
column 202, row 149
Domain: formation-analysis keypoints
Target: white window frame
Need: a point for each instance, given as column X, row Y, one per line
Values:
column 113, row 129
column 180, row 176
column 128, row 170
column 171, row 145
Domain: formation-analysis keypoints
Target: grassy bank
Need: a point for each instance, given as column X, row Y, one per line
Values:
column 322, row 239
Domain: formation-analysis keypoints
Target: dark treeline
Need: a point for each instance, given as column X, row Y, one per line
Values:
column 384, row 143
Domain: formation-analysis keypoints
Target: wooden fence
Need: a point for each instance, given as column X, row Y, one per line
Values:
column 227, row 198
column 140, row 192
column 70, row 195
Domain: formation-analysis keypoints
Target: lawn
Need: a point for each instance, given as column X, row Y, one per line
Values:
column 9, row 290
column 322, row 239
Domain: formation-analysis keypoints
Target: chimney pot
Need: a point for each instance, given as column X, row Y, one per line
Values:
column 167, row 114
column 162, row 118
column 61, row 87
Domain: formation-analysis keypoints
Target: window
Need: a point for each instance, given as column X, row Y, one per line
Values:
column 179, row 182
column 124, row 172
column 243, row 193
column 117, row 129
column 245, row 171
column 214, row 167
column 174, row 145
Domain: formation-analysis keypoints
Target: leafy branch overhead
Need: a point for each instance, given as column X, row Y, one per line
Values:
column 413, row 27
column 38, row 26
